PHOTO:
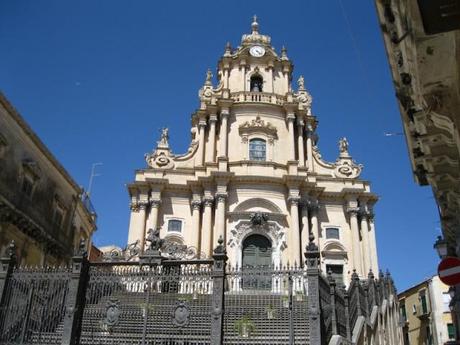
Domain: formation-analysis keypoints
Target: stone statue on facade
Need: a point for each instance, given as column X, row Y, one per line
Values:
column 301, row 83
column 164, row 138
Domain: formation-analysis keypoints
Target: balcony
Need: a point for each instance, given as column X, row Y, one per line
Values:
column 258, row 97
column 422, row 313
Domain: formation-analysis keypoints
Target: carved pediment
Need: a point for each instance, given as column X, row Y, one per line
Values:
column 258, row 126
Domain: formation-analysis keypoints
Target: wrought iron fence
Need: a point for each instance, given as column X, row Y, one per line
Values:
column 33, row 308
column 266, row 305
column 159, row 300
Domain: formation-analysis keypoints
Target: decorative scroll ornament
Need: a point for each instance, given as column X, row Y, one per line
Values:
column 258, row 125
column 272, row 229
column 161, row 158
column 128, row 253
column 181, row 314
column 345, row 167
column 177, row 251
column 112, row 313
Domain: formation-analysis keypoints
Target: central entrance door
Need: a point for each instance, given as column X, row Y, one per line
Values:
column 257, row 258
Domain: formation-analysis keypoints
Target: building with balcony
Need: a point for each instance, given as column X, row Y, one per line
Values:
column 254, row 176
column 41, row 207
column 425, row 313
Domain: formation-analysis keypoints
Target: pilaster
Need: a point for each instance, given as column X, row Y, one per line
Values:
column 210, row 153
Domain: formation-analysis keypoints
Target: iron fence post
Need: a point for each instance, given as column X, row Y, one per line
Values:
column 6, row 270
column 332, row 286
column 75, row 301
column 366, row 301
column 312, row 256
column 218, row 293
column 355, row 280
column 347, row 313
column 291, row 319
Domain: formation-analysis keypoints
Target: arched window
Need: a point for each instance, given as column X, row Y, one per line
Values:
column 257, row 150
column 256, row 83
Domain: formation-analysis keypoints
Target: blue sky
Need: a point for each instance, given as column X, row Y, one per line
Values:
column 97, row 79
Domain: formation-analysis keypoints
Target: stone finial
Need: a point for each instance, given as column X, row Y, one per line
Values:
column 284, row 53
column 228, row 49
column 220, row 249
column 370, row 275
column 11, row 250
column 82, row 250
column 354, row 276
column 254, row 25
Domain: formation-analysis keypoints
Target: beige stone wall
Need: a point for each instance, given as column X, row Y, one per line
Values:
column 214, row 187
column 31, row 214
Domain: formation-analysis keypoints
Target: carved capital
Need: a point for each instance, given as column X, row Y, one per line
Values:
column 196, row 204
column 313, row 205
column 221, row 197
column 208, row 201
column 143, row 205
column 213, row 118
column 353, row 211
column 294, row 200
column 202, row 123
column 134, row 206
column 155, row 203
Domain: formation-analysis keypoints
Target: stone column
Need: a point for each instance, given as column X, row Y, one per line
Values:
column 300, row 142
column 220, row 218
column 211, row 138
column 309, row 133
column 356, row 247
column 291, row 148
column 195, row 239
column 200, row 153
column 313, row 207
column 372, row 243
column 296, row 254
column 223, row 133
column 305, row 232
column 137, row 222
column 366, row 250
column 206, row 226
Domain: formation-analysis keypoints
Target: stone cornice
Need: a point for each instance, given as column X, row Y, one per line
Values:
column 38, row 143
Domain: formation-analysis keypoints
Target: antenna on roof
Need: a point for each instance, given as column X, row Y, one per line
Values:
column 91, row 177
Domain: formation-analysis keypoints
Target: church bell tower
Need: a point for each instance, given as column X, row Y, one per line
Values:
column 253, row 174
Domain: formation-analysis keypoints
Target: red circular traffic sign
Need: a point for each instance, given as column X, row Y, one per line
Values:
column 449, row 271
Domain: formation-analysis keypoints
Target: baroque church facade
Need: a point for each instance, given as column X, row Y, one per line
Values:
column 253, row 174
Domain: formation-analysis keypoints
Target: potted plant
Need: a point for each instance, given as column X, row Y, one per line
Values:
column 285, row 299
column 299, row 295
column 245, row 327
column 270, row 311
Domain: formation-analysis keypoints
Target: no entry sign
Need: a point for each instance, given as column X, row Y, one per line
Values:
column 449, row 271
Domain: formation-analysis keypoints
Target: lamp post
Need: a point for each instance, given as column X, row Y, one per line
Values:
column 441, row 247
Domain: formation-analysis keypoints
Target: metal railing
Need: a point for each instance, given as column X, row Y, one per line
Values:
column 158, row 299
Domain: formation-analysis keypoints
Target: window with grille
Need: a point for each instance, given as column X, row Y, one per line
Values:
column 257, row 150
column 174, row 225
column 332, row 233
column 27, row 185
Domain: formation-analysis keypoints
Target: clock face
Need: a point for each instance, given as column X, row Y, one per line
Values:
column 257, row 51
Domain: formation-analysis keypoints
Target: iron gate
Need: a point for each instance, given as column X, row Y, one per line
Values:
column 33, row 308
column 134, row 304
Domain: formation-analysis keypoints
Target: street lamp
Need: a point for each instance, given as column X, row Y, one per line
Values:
column 441, row 247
